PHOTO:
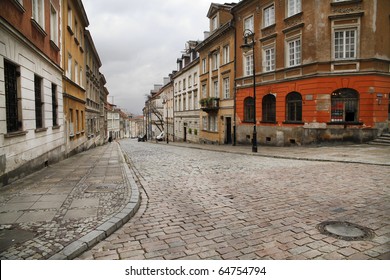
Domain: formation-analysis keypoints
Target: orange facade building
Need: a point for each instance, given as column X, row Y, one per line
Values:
column 322, row 70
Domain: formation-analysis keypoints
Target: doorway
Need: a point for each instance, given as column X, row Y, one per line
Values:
column 228, row 130
column 185, row 134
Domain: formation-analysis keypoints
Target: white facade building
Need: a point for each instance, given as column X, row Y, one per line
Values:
column 31, row 107
column 186, row 95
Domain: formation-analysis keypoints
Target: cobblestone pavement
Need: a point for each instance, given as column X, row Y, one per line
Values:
column 200, row 204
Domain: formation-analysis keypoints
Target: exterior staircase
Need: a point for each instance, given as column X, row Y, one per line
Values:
column 383, row 140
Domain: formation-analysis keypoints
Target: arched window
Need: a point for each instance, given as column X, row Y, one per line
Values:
column 249, row 105
column 269, row 108
column 294, row 107
column 345, row 105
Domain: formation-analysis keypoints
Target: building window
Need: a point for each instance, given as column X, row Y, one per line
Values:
column 204, row 90
column 196, row 104
column 249, row 109
column 248, row 24
column 204, row 123
column 294, row 7
column 189, row 81
column 70, row 18
column 77, row 122
column 226, row 54
column 269, row 16
column 248, row 64
column 213, row 123
column 81, row 76
column 54, row 104
column 269, row 108
column 38, row 102
column 215, row 61
column 12, row 100
column 294, row 52
column 195, row 79
column 76, row 72
column 345, row 105
column 184, row 84
column 38, row 9
column 345, row 44
column 216, row 89
column 226, row 88
column 269, row 59
column 294, row 107
column 53, row 25
column 204, row 65
column 71, row 123
column 214, row 23
column 69, row 70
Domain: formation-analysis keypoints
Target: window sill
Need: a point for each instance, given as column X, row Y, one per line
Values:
column 43, row 129
column 70, row 30
column 345, row 2
column 293, row 122
column 56, row 127
column 269, row 122
column 38, row 27
column 19, row 6
column 344, row 123
column 15, row 134
column 54, row 46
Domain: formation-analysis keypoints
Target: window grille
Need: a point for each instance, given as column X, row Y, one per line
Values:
column 38, row 102
column 11, row 96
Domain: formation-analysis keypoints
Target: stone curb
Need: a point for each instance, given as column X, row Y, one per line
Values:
column 118, row 219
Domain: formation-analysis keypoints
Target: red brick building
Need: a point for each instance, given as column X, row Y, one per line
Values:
column 322, row 70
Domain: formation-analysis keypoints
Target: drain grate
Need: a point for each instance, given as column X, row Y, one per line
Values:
column 345, row 230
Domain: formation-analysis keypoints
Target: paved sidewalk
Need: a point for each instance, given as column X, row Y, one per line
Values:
column 68, row 207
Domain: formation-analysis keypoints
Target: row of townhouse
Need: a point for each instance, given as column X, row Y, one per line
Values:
column 283, row 72
column 52, row 94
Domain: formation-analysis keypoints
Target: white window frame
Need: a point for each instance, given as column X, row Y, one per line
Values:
column 269, row 58
column 54, row 25
column 70, row 18
column 69, row 69
column 204, row 65
column 38, row 12
column 226, row 88
column 293, row 7
column 347, row 49
column 226, row 54
column 269, row 16
column 294, row 51
column 214, row 23
column 204, row 90
column 248, row 64
column 215, row 61
column 216, row 88
column 249, row 23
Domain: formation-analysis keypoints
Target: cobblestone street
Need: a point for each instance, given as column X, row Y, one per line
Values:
column 199, row 204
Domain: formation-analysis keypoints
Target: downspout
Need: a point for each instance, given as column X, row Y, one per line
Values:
column 235, row 86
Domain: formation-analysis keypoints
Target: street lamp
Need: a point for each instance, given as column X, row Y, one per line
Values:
column 249, row 44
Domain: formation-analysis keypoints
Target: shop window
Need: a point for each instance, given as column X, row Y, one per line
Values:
column 345, row 106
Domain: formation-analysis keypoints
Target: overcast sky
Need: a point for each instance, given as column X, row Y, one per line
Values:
column 139, row 41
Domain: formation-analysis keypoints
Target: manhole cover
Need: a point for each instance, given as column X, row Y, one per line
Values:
column 345, row 230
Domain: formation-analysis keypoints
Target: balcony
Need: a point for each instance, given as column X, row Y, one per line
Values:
column 209, row 104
